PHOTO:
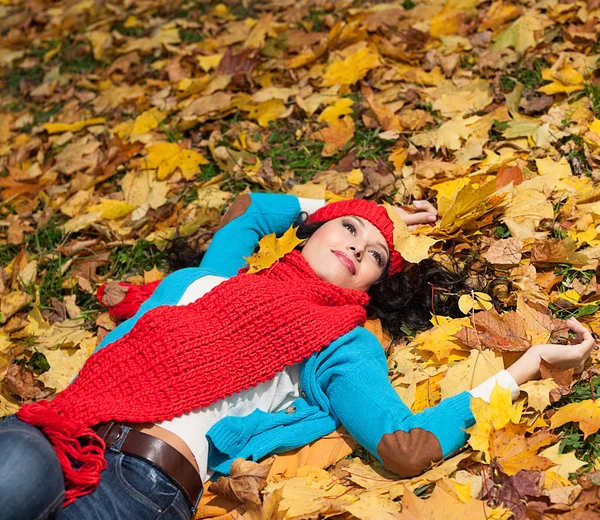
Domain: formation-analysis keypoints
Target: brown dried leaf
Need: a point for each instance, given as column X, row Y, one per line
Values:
column 562, row 377
column 22, row 382
column 503, row 333
column 114, row 293
column 245, row 482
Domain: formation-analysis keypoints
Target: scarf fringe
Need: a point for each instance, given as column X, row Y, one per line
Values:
column 66, row 437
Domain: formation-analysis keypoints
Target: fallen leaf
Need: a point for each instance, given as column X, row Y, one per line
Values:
column 442, row 505
column 168, row 157
column 538, row 393
column 565, row 463
column 466, row 375
column 272, row 249
column 515, row 452
column 244, row 483
column 478, row 301
column 21, row 382
column 586, row 413
column 492, row 416
column 502, row 332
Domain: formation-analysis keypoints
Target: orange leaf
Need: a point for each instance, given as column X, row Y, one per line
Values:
column 586, row 413
column 514, row 452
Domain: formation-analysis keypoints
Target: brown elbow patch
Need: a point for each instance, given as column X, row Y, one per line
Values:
column 238, row 208
column 409, row 453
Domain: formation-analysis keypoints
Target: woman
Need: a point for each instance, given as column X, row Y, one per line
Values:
column 216, row 366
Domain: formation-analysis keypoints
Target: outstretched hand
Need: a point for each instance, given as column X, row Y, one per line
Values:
column 424, row 213
column 563, row 356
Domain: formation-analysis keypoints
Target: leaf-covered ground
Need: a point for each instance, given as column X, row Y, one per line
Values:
column 125, row 124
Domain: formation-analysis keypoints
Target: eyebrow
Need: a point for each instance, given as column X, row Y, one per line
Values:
column 380, row 244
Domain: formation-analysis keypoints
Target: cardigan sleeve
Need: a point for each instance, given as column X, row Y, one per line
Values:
column 250, row 218
column 363, row 399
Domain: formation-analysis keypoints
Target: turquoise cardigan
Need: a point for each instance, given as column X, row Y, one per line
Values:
column 346, row 383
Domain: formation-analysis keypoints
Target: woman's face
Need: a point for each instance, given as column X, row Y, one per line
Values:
column 349, row 252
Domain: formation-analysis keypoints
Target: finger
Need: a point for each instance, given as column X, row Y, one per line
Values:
column 581, row 331
column 425, row 205
column 419, row 218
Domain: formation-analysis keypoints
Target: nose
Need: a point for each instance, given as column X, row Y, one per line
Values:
column 357, row 251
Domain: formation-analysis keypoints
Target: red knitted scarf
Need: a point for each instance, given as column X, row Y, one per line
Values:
column 181, row 358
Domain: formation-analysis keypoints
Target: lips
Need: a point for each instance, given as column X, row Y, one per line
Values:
column 346, row 261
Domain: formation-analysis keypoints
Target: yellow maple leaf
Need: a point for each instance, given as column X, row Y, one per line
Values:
column 100, row 40
column 272, row 249
column 134, row 129
column 352, row 69
column 470, row 206
column 492, row 416
column 440, row 340
column 566, row 463
column 538, row 393
column 565, row 80
column 209, row 62
column 355, row 177
column 449, row 18
column 586, row 413
column 340, row 107
column 112, row 209
column 413, row 248
column 478, row 301
column 267, row 111
column 168, row 157
column 428, row 393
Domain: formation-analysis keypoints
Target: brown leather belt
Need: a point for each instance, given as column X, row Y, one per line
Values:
column 158, row 453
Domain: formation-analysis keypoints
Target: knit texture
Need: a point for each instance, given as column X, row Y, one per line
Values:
column 374, row 213
column 177, row 359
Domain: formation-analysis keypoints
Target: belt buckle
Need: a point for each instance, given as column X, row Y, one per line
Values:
column 110, row 432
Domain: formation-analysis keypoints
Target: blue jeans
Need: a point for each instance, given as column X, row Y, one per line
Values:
column 32, row 485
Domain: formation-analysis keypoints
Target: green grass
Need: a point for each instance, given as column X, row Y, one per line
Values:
column 528, row 74
column 302, row 157
column 315, row 18
column 133, row 32
column 190, row 35
column 207, row 172
column 131, row 260
column 502, row 231
column 43, row 116
column 13, row 77
column 77, row 59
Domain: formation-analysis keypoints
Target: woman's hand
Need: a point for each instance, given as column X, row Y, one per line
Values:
column 563, row 356
column 424, row 213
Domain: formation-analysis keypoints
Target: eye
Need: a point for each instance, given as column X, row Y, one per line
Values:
column 377, row 257
column 350, row 227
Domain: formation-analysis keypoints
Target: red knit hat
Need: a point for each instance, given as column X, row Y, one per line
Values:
column 374, row 213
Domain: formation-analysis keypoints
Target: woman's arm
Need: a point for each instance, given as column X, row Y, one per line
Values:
column 365, row 402
column 251, row 217
column 406, row 443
